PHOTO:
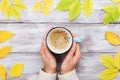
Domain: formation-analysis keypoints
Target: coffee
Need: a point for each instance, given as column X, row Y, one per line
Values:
column 59, row 39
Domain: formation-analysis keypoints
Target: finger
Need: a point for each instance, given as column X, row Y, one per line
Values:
column 72, row 50
column 77, row 55
column 73, row 34
column 42, row 52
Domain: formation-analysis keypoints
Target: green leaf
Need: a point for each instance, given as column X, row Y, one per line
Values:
column 108, row 19
column 88, row 6
column 64, row 4
column 109, row 9
column 117, row 60
column 75, row 10
column 108, row 61
column 116, row 16
column 109, row 74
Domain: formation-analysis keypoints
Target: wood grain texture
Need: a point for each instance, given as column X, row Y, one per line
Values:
column 88, row 68
column 28, row 37
column 59, row 16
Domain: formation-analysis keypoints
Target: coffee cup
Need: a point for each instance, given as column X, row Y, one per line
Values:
column 59, row 40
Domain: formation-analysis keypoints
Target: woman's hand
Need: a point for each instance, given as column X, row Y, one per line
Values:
column 71, row 59
column 48, row 59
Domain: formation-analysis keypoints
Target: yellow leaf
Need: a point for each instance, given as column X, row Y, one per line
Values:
column 119, row 7
column 48, row 2
column 45, row 10
column 3, row 72
column 9, row 12
column 20, row 6
column 117, row 60
column 109, row 74
column 108, row 61
column 37, row 6
column 4, row 6
column 16, row 13
column 16, row 70
column 5, row 35
column 117, row 1
column 113, row 38
column 88, row 6
column 5, row 51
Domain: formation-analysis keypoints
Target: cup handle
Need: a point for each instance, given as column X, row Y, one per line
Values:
column 77, row 39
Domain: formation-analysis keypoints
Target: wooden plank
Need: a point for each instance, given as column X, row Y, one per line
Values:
column 28, row 37
column 89, row 66
column 59, row 16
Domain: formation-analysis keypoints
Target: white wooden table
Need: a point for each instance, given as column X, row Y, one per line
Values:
column 31, row 27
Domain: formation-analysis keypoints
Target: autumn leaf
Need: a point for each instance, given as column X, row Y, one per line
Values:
column 117, row 60
column 36, row 6
column 75, row 10
column 88, row 6
column 112, row 38
column 107, row 19
column 109, row 74
column 44, row 6
column 3, row 72
column 64, row 5
column 117, row 1
column 5, row 35
column 12, row 8
column 5, row 51
column 16, row 70
column 108, row 61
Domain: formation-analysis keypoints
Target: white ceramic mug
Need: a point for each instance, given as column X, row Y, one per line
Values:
column 69, row 40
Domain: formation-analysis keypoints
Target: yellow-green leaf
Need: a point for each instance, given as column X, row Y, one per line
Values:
column 20, row 6
column 113, row 38
column 5, row 51
column 37, row 6
column 109, row 74
column 88, row 7
column 48, row 2
column 108, row 61
column 107, row 19
column 119, row 7
column 4, row 6
column 3, row 72
column 75, row 10
column 117, row 1
column 16, row 13
column 64, row 4
column 45, row 10
column 117, row 60
column 5, row 35
column 9, row 12
column 110, row 8
column 16, row 70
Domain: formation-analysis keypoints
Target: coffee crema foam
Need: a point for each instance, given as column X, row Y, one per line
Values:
column 59, row 39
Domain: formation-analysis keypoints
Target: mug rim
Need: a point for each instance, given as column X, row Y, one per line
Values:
column 61, row 28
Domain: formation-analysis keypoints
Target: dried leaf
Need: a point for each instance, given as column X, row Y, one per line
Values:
column 5, row 51
column 36, row 6
column 88, row 7
column 75, row 10
column 108, row 61
column 5, row 35
column 16, row 70
column 45, row 10
column 109, row 74
column 113, row 38
column 3, row 72
column 64, row 4
column 117, row 60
